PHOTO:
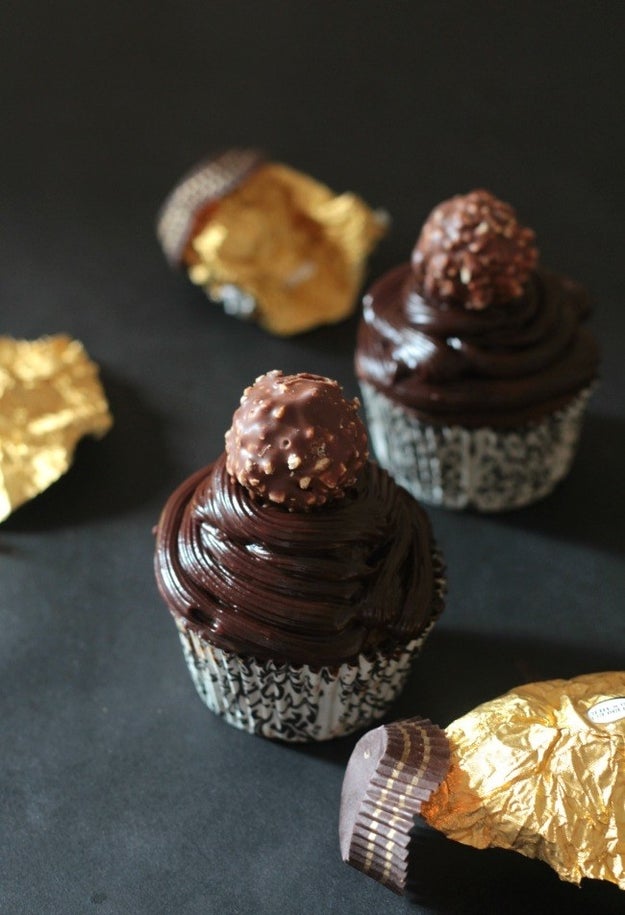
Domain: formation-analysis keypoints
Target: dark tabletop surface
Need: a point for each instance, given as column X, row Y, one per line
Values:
column 120, row 792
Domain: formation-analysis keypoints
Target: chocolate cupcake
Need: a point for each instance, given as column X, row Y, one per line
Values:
column 474, row 362
column 301, row 578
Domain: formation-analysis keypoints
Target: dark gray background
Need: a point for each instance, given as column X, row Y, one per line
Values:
column 120, row 792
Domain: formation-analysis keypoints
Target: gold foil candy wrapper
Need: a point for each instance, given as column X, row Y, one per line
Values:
column 50, row 397
column 269, row 242
column 541, row 771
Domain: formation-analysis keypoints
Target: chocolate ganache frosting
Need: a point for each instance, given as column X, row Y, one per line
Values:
column 472, row 332
column 316, row 585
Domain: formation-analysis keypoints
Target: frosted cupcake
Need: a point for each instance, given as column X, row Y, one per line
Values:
column 474, row 363
column 302, row 579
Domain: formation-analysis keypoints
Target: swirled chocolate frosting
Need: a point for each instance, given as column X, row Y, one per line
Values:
column 445, row 344
column 316, row 587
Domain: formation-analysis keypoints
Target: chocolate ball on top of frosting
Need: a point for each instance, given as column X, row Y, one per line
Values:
column 295, row 440
column 301, row 578
column 473, row 251
column 475, row 363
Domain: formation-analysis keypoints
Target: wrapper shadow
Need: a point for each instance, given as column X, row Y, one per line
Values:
column 443, row 683
column 107, row 477
column 335, row 751
column 589, row 505
column 447, row 877
column 335, row 342
column 461, row 669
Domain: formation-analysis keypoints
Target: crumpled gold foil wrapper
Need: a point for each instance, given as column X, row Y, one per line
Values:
column 50, row 397
column 541, row 770
column 294, row 249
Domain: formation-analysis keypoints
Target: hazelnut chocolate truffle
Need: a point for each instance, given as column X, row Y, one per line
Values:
column 301, row 578
column 296, row 441
column 473, row 250
column 475, row 363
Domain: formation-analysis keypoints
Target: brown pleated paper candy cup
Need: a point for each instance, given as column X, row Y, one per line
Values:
column 391, row 773
column 207, row 183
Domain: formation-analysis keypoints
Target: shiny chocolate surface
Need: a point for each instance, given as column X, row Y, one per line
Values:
column 501, row 366
column 313, row 588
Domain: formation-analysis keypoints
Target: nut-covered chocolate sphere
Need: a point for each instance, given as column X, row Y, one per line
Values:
column 472, row 251
column 296, row 441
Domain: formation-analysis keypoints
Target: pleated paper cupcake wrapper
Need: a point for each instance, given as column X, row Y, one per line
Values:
column 296, row 704
column 393, row 771
column 491, row 470
column 205, row 184
column 299, row 703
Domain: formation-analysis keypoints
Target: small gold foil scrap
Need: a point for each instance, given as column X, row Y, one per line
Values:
column 50, row 397
column 541, row 770
column 289, row 245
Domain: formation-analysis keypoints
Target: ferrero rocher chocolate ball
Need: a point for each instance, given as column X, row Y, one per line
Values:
column 296, row 441
column 472, row 251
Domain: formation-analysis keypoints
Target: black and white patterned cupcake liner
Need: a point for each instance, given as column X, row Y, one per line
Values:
column 491, row 470
column 299, row 704
column 295, row 703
